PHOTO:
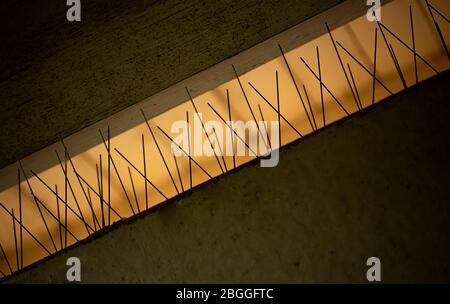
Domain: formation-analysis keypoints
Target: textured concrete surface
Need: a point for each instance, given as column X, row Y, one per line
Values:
column 373, row 185
column 57, row 78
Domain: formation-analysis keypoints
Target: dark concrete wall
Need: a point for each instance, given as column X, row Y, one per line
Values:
column 57, row 78
column 373, row 185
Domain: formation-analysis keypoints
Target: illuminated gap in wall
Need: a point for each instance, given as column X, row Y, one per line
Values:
column 307, row 84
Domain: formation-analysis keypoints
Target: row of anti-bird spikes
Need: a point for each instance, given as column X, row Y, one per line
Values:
column 93, row 222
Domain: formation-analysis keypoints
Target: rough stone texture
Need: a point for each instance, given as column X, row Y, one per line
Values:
column 57, row 78
column 373, row 185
